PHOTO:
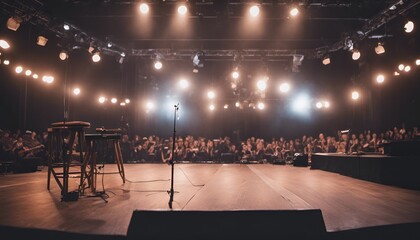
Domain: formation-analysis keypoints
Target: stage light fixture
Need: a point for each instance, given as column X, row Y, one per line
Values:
column 355, row 55
column 380, row 78
column 6, row 62
column 319, row 105
column 109, row 44
column 4, row 44
column 294, row 12
column 261, row 105
column 326, row 60
column 235, row 74
column 396, row 73
column 96, row 57
column 158, row 65
column 226, row 106
column 327, row 104
column 122, row 104
column 301, row 104
column 41, row 41
column 144, row 8
column 212, row 107
column 114, row 100
column 355, row 95
column 28, row 72
column 407, row 68
column 401, row 67
column 409, row 27
column 211, row 94
column 418, row 62
column 284, row 87
column 48, row 79
column 379, row 49
column 254, row 11
column 183, row 83
column 63, row 55
column 76, row 91
column 66, row 27
column 182, row 10
column 127, row 101
column 150, row 105
column 262, row 84
column 35, row 76
column 237, row 104
column 101, row 99
column 13, row 23
column 19, row 69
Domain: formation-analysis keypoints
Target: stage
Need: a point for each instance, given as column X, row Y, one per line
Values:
column 346, row 203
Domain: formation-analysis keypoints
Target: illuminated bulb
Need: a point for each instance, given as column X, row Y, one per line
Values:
column 261, row 105
column 380, row 78
column 66, row 27
column 48, row 79
column 417, row 62
column 379, row 49
column 212, row 107
column 76, row 91
column 183, row 83
column 28, row 72
column 4, row 44
column 96, row 57
column 122, row 104
column 211, row 94
column 101, row 99
column 319, row 105
column 114, row 100
column 18, row 69
column 254, row 11
column 233, row 85
column 407, row 68
column 327, row 104
column 284, row 87
column 237, row 104
column 356, row 55
column 182, row 10
column 294, row 12
column 355, row 95
column 409, row 27
column 226, row 106
column 6, row 62
column 401, row 67
column 326, row 61
column 150, row 105
column 235, row 74
column 261, row 85
column 127, row 101
column 63, row 55
column 158, row 65
column 35, row 76
column 396, row 73
column 144, row 8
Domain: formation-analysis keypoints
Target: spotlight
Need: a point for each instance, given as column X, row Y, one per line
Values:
column 63, row 55
column 144, row 8
column 150, row 105
column 409, row 27
column 122, row 54
column 182, row 10
column 122, row 104
column 355, row 95
column 401, row 67
column 327, row 104
column 254, row 11
column 35, row 76
column 109, row 44
column 356, row 55
column 235, row 74
column 114, row 100
column 262, row 84
column 96, row 57
column 234, row 85
column 48, row 79
column 76, row 91
column 326, row 60
column 6, row 62
column 4, row 44
column 158, row 65
column 13, row 23
column 261, row 105
column 226, row 106
column 379, row 49
column 18, row 69
column 212, row 107
column 28, row 72
column 396, row 73
column 380, row 78
column 294, row 12
column 417, row 62
column 127, row 101
column 301, row 104
column 284, row 87
column 237, row 104
column 66, row 27
column 41, row 41
column 211, row 94
column 319, row 105
column 407, row 68
column 183, row 83
column 101, row 99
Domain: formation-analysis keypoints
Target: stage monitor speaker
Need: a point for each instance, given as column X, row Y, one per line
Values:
column 278, row 224
column 300, row 160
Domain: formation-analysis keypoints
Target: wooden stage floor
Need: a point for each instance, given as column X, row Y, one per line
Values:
column 346, row 203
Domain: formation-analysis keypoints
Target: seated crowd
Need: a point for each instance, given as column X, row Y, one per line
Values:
column 154, row 149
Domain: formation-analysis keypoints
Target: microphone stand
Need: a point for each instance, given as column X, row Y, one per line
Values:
column 171, row 192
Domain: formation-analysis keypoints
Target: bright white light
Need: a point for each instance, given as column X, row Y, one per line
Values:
column 261, row 105
column 114, row 100
column 327, row 104
column 35, row 76
column 301, row 104
column 356, row 55
column 326, row 61
column 144, row 8
column 409, row 27
column 127, row 101
column 63, row 55
column 150, row 105
column 254, row 11
column 122, row 104
column 28, row 72
column 211, row 94
column 182, row 10
column 380, row 78
column 401, row 67
column 284, row 87
column 237, row 104
column 158, row 65
column 183, row 83
column 407, row 68
column 355, row 95
column 6, row 62
column 294, row 12
column 18, row 69
column 226, row 106
column 66, row 27
column 48, row 79
column 379, row 49
column 96, row 57
column 417, row 62
column 262, row 84
column 76, row 91
column 4, row 44
column 212, row 107
column 319, row 105
column 235, row 74
column 101, row 99
column 396, row 73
